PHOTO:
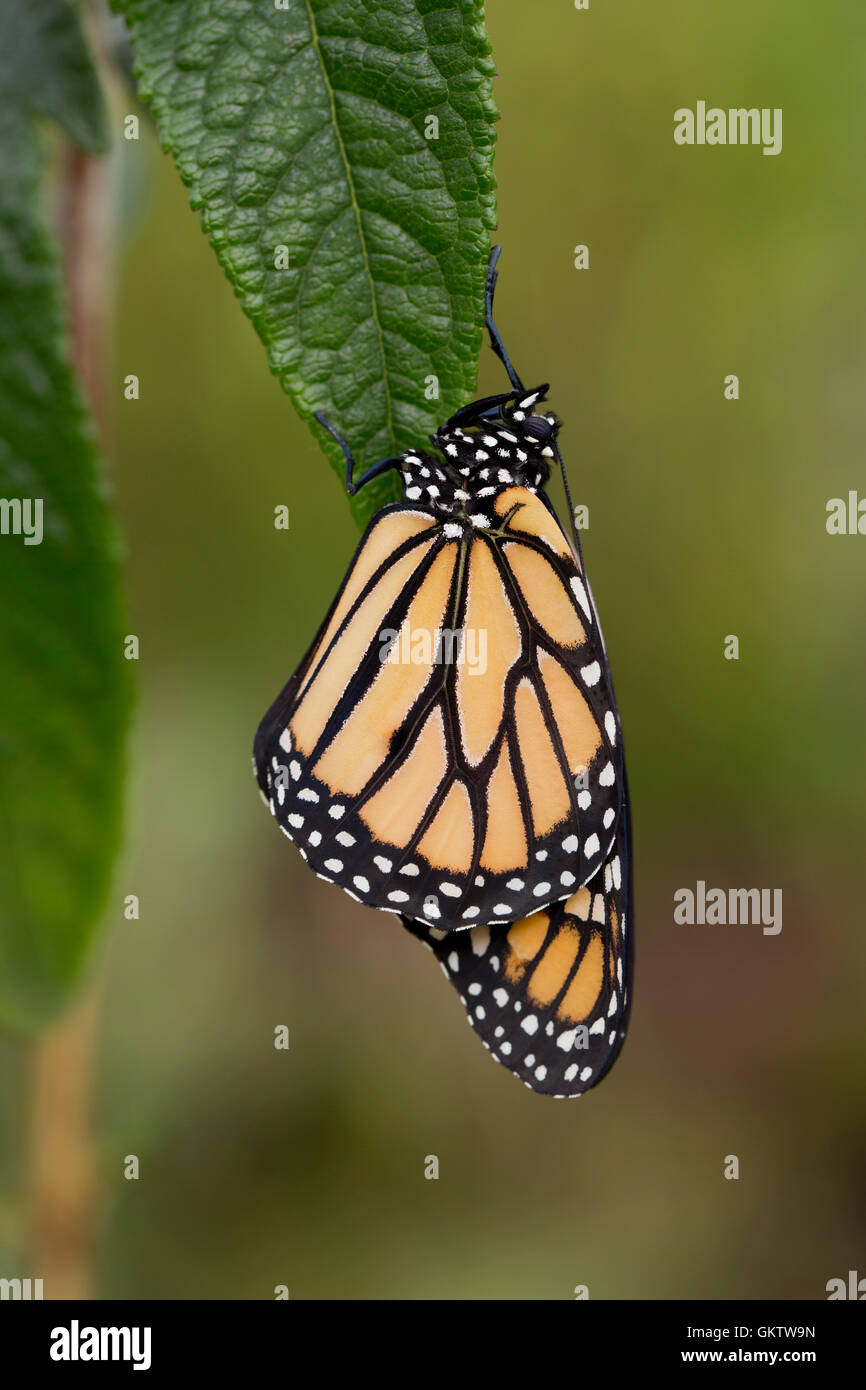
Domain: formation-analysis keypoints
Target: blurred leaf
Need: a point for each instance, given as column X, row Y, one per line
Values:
column 310, row 128
column 46, row 69
column 63, row 696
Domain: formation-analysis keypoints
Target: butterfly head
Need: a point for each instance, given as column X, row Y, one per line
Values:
column 535, row 428
column 540, row 431
column 510, row 434
column 505, row 444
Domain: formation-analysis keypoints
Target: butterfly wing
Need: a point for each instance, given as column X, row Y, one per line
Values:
column 549, row 996
column 390, row 565
column 446, row 790
column 557, row 754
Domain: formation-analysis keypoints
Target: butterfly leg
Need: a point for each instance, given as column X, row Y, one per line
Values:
column 495, row 340
column 354, row 485
column 475, row 411
column 489, row 406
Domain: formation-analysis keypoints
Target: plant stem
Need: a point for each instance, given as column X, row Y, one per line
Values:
column 62, row 1174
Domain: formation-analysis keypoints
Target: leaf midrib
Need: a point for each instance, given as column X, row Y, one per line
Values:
column 359, row 223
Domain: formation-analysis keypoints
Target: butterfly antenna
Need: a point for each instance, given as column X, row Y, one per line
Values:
column 561, row 461
column 495, row 340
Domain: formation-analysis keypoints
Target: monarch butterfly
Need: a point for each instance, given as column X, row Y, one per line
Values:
column 550, row 996
column 419, row 785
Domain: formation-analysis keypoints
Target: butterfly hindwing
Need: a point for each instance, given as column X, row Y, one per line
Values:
column 549, row 996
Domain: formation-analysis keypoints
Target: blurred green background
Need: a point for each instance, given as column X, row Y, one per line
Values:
column 707, row 518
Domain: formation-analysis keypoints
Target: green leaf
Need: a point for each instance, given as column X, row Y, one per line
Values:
column 308, row 128
column 64, row 687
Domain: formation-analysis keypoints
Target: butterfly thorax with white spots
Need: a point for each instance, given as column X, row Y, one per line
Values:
column 512, row 449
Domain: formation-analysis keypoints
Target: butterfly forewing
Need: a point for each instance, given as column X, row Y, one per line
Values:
column 448, row 747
